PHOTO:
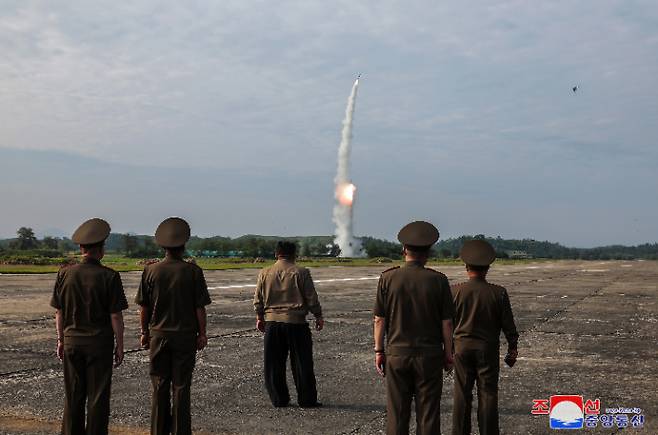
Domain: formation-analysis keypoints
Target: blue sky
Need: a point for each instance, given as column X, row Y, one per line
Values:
column 228, row 113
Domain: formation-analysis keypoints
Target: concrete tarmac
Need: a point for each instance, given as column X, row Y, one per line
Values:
column 587, row 328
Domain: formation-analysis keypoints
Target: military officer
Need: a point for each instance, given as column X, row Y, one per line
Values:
column 413, row 311
column 89, row 299
column 482, row 310
column 172, row 297
column 284, row 295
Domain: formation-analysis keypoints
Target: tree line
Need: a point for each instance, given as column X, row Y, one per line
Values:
column 141, row 246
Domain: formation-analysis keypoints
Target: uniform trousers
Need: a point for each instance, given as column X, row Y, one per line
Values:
column 87, row 378
column 476, row 362
column 172, row 363
column 418, row 377
column 280, row 339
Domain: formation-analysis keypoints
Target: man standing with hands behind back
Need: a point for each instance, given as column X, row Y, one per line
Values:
column 482, row 310
column 89, row 299
column 414, row 312
column 172, row 298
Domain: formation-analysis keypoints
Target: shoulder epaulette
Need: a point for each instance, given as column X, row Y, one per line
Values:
column 390, row 268
column 66, row 266
column 109, row 269
column 148, row 262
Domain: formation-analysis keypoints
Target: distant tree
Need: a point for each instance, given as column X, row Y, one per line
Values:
column 304, row 249
column 129, row 244
column 150, row 249
column 250, row 247
column 66, row 245
column 26, row 239
column 502, row 254
column 381, row 248
column 49, row 242
column 317, row 247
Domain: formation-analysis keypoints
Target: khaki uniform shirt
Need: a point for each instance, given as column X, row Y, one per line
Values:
column 414, row 300
column 285, row 293
column 87, row 293
column 482, row 311
column 173, row 289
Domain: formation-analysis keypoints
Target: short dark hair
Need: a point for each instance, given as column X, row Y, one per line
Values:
column 475, row 268
column 285, row 248
column 177, row 250
column 419, row 250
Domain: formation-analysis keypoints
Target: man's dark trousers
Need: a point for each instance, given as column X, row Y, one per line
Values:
column 87, row 377
column 172, row 364
column 281, row 338
column 418, row 377
column 476, row 362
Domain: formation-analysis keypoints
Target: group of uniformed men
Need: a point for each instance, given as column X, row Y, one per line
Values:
column 415, row 311
column 413, row 331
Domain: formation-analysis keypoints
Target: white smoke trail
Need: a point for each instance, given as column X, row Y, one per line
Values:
column 344, row 194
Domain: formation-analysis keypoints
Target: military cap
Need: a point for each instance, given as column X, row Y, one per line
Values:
column 418, row 233
column 172, row 233
column 477, row 253
column 91, row 232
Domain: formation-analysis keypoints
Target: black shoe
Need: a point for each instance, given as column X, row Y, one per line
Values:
column 281, row 405
column 311, row 405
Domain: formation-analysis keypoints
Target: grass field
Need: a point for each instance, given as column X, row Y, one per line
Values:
column 126, row 264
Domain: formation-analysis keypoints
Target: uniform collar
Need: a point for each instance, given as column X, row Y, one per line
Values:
column 413, row 263
column 284, row 261
column 90, row 260
column 477, row 279
column 172, row 258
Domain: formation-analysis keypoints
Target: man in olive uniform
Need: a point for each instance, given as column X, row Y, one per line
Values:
column 172, row 297
column 89, row 299
column 284, row 295
column 482, row 310
column 414, row 312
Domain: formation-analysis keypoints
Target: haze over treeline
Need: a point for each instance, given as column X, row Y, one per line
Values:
column 249, row 246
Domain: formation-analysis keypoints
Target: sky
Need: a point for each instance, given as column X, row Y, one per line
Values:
column 229, row 114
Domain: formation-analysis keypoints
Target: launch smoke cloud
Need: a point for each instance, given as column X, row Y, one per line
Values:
column 345, row 190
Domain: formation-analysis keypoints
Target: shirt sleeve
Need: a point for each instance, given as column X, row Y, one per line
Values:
column 118, row 300
column 311, row 296
column 201, row 294
column 380, row 300
column 56, row 300
column 143, row 297
column 259, row 305
column 507, row 321
column 447, row 304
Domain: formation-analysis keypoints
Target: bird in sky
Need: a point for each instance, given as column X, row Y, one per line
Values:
column 574, row 89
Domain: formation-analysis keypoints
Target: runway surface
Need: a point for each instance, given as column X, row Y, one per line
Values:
column 587, row 328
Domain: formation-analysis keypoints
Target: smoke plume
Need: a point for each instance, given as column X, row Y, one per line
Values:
column 345, row 190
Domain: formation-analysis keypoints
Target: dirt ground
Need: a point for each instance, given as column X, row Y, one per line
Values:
column 587, row 328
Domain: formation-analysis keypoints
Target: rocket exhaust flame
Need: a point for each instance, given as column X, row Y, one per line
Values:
column 344, row 193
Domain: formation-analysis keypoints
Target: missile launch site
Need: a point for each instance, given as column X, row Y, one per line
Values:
column 586, row 327
column 516, row 135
